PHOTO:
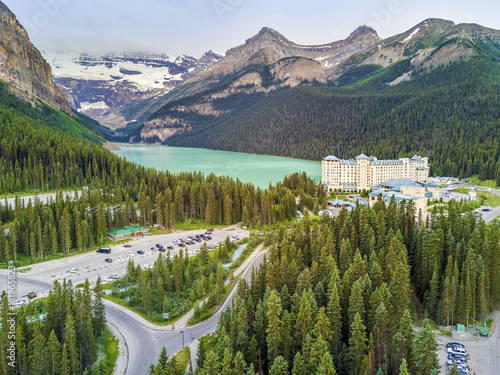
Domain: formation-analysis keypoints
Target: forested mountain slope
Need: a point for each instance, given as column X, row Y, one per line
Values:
column 450, row 114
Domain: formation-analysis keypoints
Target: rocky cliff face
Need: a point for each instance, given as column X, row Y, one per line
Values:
column 116, row 89
column 23, row 67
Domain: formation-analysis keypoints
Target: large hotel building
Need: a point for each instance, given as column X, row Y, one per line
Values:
column 365, row 172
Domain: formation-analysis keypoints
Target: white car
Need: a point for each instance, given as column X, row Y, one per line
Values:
column 19, row 303
column 131, row 254
column 147, row 267
column 72, row 270
column 107, row 279
column 114, row 277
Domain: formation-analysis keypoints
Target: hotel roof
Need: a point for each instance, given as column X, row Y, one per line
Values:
column 331, row 157
column 362, row 156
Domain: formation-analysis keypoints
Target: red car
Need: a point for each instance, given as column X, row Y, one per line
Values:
column 127, row 245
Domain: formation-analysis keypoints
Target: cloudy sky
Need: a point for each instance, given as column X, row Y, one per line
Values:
column 195, row 26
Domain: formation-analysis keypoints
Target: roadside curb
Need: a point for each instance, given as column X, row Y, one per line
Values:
column 126, row 354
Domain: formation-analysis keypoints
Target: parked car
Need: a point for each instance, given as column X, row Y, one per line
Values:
column 20, row 303
column 107, row 279
column 108, row 260
column 31, row 295
column 153, row 248
column 170, row 247
column 158, row 245
column 457, row 350
column 486, row 209
column 127, row 245
column 147, row 267
column 140, row 252
column 114, row 277
column 197, row 240
column 131, row 254
column 162, row 249
column 182, row 245
column 72, row 270
column 453, row 344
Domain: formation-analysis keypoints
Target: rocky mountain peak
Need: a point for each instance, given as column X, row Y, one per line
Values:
column 361, row 30
column 266, row 33
column 22, row 66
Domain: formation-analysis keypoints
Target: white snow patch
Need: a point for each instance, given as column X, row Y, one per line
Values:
column 150, row 77
column 411, row 35
column 379, row 47
column 85, row 106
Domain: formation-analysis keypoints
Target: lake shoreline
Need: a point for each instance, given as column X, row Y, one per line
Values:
column 260, row 170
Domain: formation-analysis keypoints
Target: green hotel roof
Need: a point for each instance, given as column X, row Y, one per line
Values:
column 127, row 230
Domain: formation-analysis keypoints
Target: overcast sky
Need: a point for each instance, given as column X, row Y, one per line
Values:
column 194, row 26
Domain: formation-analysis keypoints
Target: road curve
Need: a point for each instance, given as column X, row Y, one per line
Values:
column 145, row 340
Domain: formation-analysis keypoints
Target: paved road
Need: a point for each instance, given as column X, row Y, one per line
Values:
column 487, row 216
column 145, row 340
column 494, row 347
column 40, row 277
column 44, row 198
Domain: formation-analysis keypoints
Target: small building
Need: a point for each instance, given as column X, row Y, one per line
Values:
column 403, row 191
column 472, row 194
column 460, row 328
column 134, row 230
column 484, row 331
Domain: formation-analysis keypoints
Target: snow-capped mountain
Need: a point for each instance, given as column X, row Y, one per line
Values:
column 104, row 87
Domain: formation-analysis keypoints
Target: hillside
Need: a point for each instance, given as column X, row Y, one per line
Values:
column 438, row 82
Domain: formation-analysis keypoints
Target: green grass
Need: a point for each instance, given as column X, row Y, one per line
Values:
column 206, row 313
column 461, row 190
column 183, row 359
column 446, row 332
column 476, row 181
column 195, row 224
column 121, row 302
column 489, row 322
column 490, row 199
column 109, row 351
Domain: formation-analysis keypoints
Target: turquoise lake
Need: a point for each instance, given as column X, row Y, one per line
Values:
column 257, row 169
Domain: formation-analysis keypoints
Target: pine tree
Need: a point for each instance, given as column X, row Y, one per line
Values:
column 54, row 354
column 299, row 366
column 38, row 359
column 426, row 349
column 357, row 342
column 70, row 344
column 303, row 323
column 98, row 310
column 403, row 370
column 279, row 367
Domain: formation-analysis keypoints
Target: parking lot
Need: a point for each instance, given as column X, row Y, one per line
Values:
column 483, row 357
column 40, row 277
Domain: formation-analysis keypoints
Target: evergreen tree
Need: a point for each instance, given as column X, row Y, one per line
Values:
column 426, row 349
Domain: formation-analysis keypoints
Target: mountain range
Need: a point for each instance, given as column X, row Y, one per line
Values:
column 107, row 87
column 269, row 61
column 433, row 89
